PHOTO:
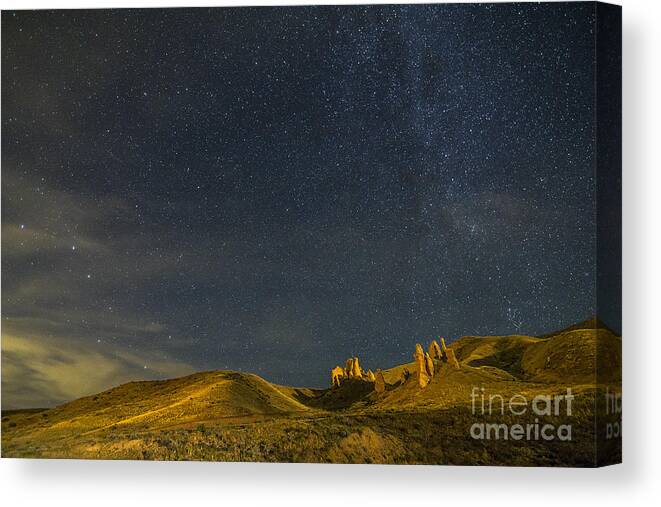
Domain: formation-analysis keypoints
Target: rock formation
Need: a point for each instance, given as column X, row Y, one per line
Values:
column 444, row 350
column 338, row 374
column 446, row 355
column 421, row 366
column 355, row 372
column 379, row 382
column 452, row 358
column 434, row 350
column 351, row 370
column 349, row 367
column 429, row 365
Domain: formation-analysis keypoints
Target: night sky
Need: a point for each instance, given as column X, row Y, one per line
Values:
column 276, row 189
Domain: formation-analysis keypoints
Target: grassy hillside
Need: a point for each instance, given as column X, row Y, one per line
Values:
column 224, row 415
column 156, row 405
column 568, row 356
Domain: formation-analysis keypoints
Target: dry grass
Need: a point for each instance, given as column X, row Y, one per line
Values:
column 232, row 416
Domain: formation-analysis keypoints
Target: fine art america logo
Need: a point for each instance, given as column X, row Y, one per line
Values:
column 539, row 407
column 613, row 417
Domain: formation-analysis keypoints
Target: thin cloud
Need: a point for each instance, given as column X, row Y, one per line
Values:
column 43, row 372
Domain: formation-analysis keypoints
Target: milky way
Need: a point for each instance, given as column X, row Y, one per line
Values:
column 276, row 189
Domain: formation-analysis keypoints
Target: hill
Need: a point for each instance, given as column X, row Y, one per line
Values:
column 156, row 405
column 225, row 415
column 569, row 356
column 593, row 322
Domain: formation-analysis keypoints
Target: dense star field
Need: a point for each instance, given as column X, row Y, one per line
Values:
column 275, row 189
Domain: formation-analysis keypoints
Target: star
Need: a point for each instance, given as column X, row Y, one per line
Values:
column 209, row 193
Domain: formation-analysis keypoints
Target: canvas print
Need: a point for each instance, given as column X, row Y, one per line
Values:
column 336, row 234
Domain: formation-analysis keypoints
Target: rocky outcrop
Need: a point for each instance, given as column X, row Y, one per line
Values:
column 338, row 374
column 356, row 371
column 452, row 358
column 351, row 370
column 429, row 365
column 422, row 376
column 447, row 355
column 379, row 382
column 434, row 350
column 444, row 350
column 348, row 367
